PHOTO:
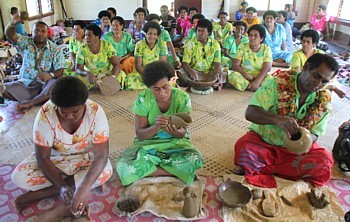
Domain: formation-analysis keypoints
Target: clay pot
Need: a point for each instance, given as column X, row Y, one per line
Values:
column 234, row 194
column 180, row 120
column 299, row 143
column 205, row 81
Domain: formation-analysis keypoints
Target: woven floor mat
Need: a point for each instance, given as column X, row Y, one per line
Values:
column 218, row 122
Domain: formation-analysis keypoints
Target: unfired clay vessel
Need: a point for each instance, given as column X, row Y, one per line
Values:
column 301, row 143
column 180, row 120
column 191, row 206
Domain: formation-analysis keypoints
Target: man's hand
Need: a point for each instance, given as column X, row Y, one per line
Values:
column 44, row 76
column 289, row 125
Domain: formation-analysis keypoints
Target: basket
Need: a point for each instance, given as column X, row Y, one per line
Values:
column 204, row 82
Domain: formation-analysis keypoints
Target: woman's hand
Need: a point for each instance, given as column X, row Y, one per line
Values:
column 80, row 199
column 161, row 122
column 91, row 78
column 66, row 194
column 289, row 125
column 254, row 85
column 175, row 132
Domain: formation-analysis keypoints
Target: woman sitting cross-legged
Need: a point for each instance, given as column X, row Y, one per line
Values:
column 159, row 149
column 122, row 43
column 147, row 50
column 70, row 135
column 232, row 42
column 97, row 58
column 252, row 61
column 276, row 39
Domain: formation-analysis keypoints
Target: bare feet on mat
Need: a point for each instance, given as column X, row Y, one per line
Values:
column 23, row 200
column 238, row 170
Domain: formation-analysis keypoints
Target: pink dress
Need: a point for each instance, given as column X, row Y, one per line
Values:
column 319, row 24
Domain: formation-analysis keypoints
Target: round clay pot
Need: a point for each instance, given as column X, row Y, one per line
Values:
column 300, row 143
column 234, row 194
column 180, row 120
column 205, row 81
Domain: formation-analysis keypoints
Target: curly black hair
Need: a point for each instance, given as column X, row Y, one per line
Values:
column 152, row 25
column 311, row 33
column 260, row 29
column 205, row 23
column 104, row 13
column 197, row 16
column 317, row 59
column 69, row 91
column 270, row 12
column 80, row 23
column 95, row 29
column 155, row 71
column 119, row 19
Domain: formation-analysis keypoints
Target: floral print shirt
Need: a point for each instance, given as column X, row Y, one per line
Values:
column 96, row 63
column 47, row 59
column 123, row 47
column 149, row 55
column 49, row 133
column 202, row 58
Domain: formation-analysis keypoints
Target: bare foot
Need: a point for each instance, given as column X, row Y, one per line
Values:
column 23, row 200
column 57, row 214
column 238, row 170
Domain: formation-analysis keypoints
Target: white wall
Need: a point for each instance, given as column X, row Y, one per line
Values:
column 88, row 10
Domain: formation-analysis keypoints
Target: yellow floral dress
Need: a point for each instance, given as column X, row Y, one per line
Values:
column 142, row 50
column 251, row 62
column 98, row 63
column 70, row 153
column 222, row 33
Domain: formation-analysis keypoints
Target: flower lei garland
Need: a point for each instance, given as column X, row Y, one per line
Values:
column 286, row 100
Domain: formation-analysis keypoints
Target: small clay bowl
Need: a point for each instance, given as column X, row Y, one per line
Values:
column 234, row 194
column 300, row 143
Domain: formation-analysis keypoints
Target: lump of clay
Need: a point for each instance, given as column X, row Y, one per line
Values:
column 269, row 205
column 257, row 193
column 317, row 198
column 191, row 206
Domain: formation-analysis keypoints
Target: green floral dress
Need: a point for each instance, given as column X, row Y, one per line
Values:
column 230, row 44
column 73, row 46
column 222, row 33
column 251, row 62
column 142, row 50
column 176, row 156
column 202, row 58
column 99, row 63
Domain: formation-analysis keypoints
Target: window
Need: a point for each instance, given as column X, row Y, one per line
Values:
column 344, row 14
column 39, row 8
column 276, row 5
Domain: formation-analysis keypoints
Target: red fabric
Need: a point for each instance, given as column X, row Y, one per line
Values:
column 261, row 161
